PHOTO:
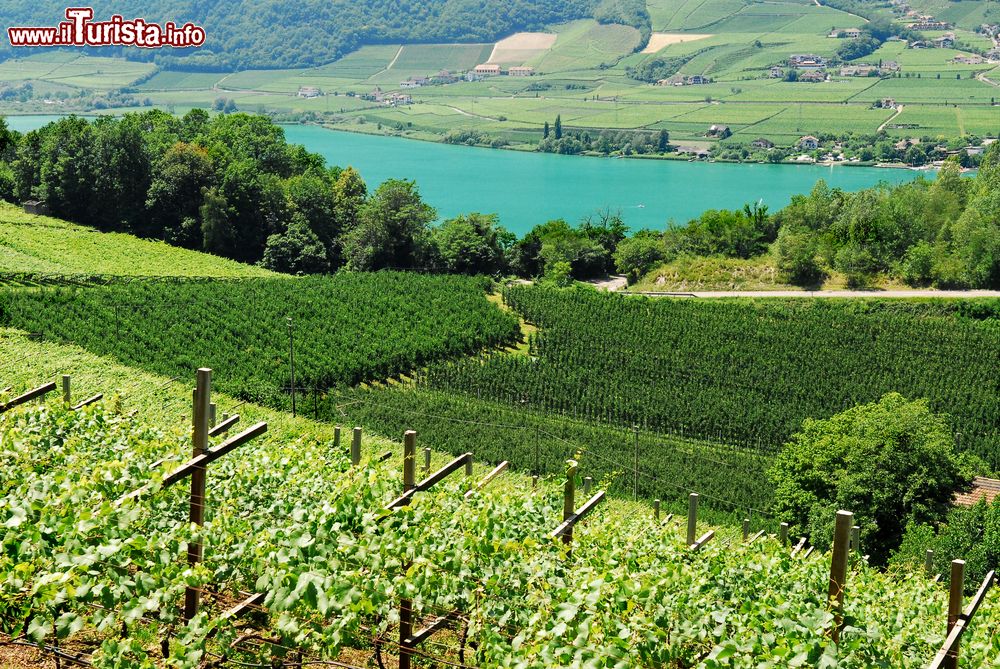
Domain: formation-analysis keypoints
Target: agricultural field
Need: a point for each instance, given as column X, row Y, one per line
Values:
column 732, row 371
column 73, row 70
column 375, row 326
column 582, row 62
column 40, row 248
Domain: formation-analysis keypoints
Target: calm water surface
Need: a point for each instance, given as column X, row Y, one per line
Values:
column 530, row 188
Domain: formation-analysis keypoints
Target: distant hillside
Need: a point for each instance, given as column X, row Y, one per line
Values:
column 253, row 34
column 40, row 245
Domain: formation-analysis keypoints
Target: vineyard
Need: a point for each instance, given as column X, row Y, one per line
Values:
column 94, row 575
column 731, row 478
column 345, row 329
column 740, row 372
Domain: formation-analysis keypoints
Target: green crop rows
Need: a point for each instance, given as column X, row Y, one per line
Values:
column 296, row 522
column 347, row 329
column 738, row 371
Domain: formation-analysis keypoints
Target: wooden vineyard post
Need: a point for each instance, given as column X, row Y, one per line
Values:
column 199, row 442
column 746, row 529
column 569, row 503
column 427, row 462
column 409, row 460
column 211, row 414
column 336, row 438
column 468, row 465
column 692, row 518
column 356, row 447
column 955, row 595
column 856, row 539
column 838, row 569
column 405, row 632
column 656, row 509
column 929, row 563
column 534, row 482
column 587, row 482
column 783, row 534
column 67, row 395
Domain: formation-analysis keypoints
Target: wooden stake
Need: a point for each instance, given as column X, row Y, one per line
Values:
column 427, row 462
column 468, row 465
column 692, row 517
column 405, row 631
column 211, row 414
column 409, row 460
column 838, row 569
column 336, row 439
column 587, row 482
column 67, row 396
column 569, row 503
column 856, row 539
column 955, row 595
column 746, row 529
column 356, row 447
column 199, row 444
column 656, row 510
column 783, row 534
column 929, row 563
column 534, row 482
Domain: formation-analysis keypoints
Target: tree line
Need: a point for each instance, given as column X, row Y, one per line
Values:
column 942, row 232
column 231, row 185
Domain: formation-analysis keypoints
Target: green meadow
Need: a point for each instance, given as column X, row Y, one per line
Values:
column 583, row 78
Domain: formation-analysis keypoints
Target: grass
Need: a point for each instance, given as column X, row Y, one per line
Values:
column 43, row 245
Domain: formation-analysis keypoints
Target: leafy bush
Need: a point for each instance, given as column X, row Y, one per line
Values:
column 891, row 463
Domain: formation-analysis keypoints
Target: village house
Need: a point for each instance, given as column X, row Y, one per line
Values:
column 719, row 131
column 444, row 77
column 888, row 66
column 904, row 144
column 860, row 70
column 776, row 72
column 673, row 80
column 967, row 60
column 762, row 143
column 993, row 55
column 488, row 69
column 813, row 76
column 946, row 41
column 983, row 489
column 696, row 79
column 696, row 152
column 521, row 71
column 472, row 75
column 887, row 103
column 308, row 92
column 845, row 33
column 806, row 61
column 809, row 143
column 990, row 29
column 409, row 83
column 396, row 99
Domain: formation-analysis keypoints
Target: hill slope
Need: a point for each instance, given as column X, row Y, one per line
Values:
column 274, row 33
column 40, row 245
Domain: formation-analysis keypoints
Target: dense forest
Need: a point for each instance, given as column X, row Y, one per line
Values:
column 271, row 33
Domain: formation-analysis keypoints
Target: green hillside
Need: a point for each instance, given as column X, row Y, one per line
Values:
column 42, row 247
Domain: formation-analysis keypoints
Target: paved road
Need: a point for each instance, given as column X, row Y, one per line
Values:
column 829, row 293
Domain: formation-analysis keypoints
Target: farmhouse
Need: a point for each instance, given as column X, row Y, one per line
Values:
column 806, row 61
column 396, row 99
column 904, row 144
column 848, row 33
column 993, row 55
column 967, row 60
column 809, row 143
column 887, row 103
column 695, row 79
column 813, row 76
column 409, row 83
column 776, row 72
column 674, row 80
column 944, row 42
column 695, row 151
column 308, row 92
column 487, row 69
column 444, row 77
column 860, row 70
column 719, row 131
column 521, row 71
column 762, row 143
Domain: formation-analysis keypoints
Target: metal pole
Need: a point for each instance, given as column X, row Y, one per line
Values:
column 291, row 361
column 635, row 485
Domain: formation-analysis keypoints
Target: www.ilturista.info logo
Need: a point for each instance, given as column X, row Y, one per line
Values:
column 80, row 30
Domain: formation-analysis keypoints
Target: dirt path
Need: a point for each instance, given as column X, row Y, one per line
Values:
column 611, row 283
column 899, row 110
column 961, row 294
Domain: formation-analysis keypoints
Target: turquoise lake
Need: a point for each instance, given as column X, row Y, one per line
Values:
column 526, row 189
